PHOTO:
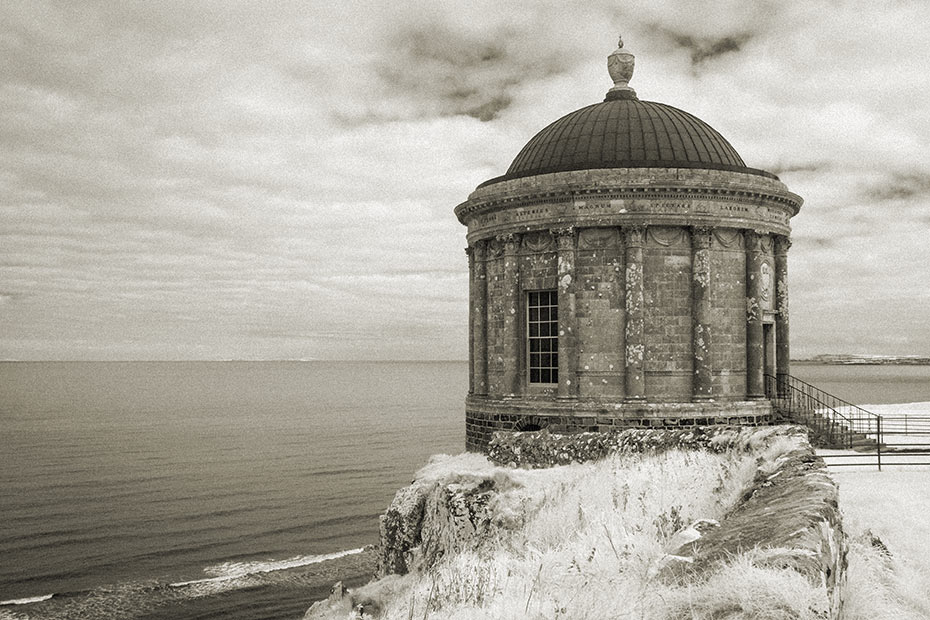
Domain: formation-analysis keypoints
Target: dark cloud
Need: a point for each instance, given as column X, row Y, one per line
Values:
column 901, row 186
column 801, row 166
column 449, row 71
column 703, row 48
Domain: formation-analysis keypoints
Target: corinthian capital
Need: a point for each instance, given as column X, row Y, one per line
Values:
column 564, row 237
column 701, row 237
column 782, row 243
column 634, row 236
column 753, row 240
column 510, row 241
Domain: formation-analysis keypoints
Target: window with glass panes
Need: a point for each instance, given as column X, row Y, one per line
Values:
column 543, row 335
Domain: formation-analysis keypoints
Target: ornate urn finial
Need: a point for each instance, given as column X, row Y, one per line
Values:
column 620, row 66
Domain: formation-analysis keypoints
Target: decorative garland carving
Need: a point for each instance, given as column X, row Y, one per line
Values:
column 728, row 237
column 539, row 241
column 597, row 238
column 667, row 236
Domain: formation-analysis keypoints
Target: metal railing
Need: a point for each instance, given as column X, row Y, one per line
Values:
column 835, row 422
column 901, row 439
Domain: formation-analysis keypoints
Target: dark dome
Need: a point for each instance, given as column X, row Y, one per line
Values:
column 626, row 133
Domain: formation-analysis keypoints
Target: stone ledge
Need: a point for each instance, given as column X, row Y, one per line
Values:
column 789, row 518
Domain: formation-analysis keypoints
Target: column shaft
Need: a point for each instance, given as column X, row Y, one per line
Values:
column 479, row 309
column 568, row 381
column 513, row 317
column 470, row 251
column 701, row 313
column 755, row 364
column 782, row 345
column 635, row 352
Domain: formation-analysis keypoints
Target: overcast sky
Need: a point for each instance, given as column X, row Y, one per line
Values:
column 268, row 180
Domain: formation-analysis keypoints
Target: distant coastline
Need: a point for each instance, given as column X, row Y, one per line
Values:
column 878, row 360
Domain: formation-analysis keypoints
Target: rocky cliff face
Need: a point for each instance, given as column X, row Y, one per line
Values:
column 432, row 518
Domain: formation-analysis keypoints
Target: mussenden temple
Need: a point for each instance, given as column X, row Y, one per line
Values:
column 628, row 270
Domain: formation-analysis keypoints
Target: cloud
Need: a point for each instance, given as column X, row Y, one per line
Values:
column 702, row 48
column 237, row 180
column 902, row 186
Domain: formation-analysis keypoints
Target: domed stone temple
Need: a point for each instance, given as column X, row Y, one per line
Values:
column 628, row 270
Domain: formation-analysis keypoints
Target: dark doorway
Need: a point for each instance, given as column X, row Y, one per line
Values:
column 768, row 347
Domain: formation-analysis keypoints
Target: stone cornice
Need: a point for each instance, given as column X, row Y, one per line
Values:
column 632, row 184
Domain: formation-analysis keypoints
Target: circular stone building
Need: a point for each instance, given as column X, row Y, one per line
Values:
column 628, row 270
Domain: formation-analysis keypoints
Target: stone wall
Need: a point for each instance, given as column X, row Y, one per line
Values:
column 728, row 305
column 790, row 518
column 600, row 314
column 485, row 416
column 667, row 295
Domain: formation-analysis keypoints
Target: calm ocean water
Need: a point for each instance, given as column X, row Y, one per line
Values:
column 185, row 490
column 117, row 479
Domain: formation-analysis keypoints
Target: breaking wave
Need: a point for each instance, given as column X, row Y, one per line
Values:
column 228, row 571
column 225, row 579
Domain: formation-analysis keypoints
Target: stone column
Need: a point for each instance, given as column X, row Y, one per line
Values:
column 479, row 311
column 782, row 346
column 568, row 364
column 470, row 251
column 701, row 313
column 513, row 340
column 634, row 238
column 755, row 364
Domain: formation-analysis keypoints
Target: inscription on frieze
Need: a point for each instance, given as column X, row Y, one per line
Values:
column 529, row 214
column 616, row 210
column 593, row 205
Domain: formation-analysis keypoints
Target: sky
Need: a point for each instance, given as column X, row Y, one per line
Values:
column 206, row 179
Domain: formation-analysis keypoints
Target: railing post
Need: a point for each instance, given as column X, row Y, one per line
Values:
column 879, row 445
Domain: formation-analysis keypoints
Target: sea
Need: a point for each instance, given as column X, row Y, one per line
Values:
column 234, row 490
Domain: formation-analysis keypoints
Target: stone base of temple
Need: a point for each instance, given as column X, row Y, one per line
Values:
column 484, row 416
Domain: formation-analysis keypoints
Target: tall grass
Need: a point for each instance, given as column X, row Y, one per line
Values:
column 586, row 541
column 882, row 586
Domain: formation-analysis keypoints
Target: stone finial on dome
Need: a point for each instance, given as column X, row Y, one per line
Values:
column 620, row 66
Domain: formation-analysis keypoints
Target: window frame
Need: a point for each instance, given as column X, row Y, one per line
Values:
column 541, row 340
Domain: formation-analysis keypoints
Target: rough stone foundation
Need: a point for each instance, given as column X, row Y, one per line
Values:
column 484, row 418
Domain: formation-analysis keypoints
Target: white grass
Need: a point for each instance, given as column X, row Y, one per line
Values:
column 585, row 541
column 893, row 504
